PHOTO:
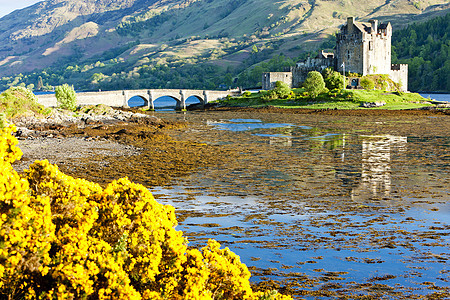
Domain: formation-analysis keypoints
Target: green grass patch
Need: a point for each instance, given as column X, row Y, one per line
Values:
column 344, row 99
column 18, row 101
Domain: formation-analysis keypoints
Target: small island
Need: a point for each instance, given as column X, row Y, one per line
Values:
column 357, row 75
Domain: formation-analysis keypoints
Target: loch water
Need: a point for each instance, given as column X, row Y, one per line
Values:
column 323, row 206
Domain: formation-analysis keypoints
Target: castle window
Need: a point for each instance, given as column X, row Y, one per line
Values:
column 370, row 45
column 348, row 54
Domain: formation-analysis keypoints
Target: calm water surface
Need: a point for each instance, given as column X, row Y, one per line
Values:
column 326, row 206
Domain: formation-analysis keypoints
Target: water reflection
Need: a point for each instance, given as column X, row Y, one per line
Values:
column 238, row 125
column 297, row 204
column 376, row 166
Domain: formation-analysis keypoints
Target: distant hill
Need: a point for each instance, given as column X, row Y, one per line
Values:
column 112, row 44
column 426, row 48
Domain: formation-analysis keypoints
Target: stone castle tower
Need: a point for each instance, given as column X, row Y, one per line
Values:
column 361, row 47
column 364, row 48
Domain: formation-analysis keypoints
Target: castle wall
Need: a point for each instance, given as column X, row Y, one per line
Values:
column 350, row 50
column 301, row 70
column 399, row 74
column 269, row 79
column 377, row 47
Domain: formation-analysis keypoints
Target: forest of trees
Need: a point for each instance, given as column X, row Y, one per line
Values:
column 425, row 47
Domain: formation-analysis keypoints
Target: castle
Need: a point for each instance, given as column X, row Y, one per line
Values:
column 363, row 48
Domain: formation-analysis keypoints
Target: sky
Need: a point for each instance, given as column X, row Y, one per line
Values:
column 8, row 6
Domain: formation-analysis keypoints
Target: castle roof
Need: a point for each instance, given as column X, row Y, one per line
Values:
column 363, row 26
column 367, row 27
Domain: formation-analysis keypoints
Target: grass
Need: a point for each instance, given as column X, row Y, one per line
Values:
column 345, row 99
column 18, row 101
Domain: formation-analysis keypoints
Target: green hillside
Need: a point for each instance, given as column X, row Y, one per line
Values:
column 112, row 44
column 426, row 48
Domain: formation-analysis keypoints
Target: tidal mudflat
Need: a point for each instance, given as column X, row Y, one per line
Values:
column 324, row 206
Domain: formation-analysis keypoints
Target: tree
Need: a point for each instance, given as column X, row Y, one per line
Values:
column 66, row 97
column 282, row 89
column 333, row 80
column 314, row 84
column 40, row 84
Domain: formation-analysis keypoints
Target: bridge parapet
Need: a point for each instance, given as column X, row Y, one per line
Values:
column 120, row 98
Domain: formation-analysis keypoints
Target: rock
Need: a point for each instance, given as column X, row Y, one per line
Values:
column 373, row 104
column 23, row 132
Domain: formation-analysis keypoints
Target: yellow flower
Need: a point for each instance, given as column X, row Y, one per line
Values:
column 68, row 238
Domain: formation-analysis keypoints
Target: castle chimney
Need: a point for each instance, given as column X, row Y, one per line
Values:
column 374, row 26
column 350, row 21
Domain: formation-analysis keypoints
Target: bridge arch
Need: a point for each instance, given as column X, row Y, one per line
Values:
column 194, row 100
column 165, row 103
column 138, row 101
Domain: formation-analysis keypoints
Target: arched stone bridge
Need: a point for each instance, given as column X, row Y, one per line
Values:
column 121, row 98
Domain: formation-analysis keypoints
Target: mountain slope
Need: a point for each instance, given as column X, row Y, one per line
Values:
column 425, row 47
column 135, row 33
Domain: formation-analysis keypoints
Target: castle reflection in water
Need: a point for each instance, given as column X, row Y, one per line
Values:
column 366, row 172
column 376, row 166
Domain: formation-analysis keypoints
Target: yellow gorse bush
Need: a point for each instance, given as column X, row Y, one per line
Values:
column 68, row 238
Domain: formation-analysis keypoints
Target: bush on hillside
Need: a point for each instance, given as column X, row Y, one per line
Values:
column 247, row 94
column 68, row 238
column 66, row 97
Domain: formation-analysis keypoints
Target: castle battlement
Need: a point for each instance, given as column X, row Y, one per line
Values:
column 398, row 67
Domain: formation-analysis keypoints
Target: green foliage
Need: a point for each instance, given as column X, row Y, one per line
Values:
column 425, row 47
column 18, row 101
column 269, row 96
column 282, row 89
column 2, row 121
column 367, row 83
column 252, row 76
column 380, row 82
column 326, row 73
column 66, row 97
column 339, row 99
column 314, row 84
column 333, row 80
column 247, row 94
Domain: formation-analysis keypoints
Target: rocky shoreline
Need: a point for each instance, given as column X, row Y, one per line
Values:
column 104, row 146
column 51, row 138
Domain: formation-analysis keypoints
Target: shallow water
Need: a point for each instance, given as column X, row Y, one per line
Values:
column 325, row 206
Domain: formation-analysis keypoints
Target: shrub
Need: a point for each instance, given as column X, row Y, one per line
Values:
column 269, row 96
column 247, row 94
column 66, row 97
column 335, row 80
column 314, row 84
column 367, row 83
column 282, row 89
column 68, row 238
